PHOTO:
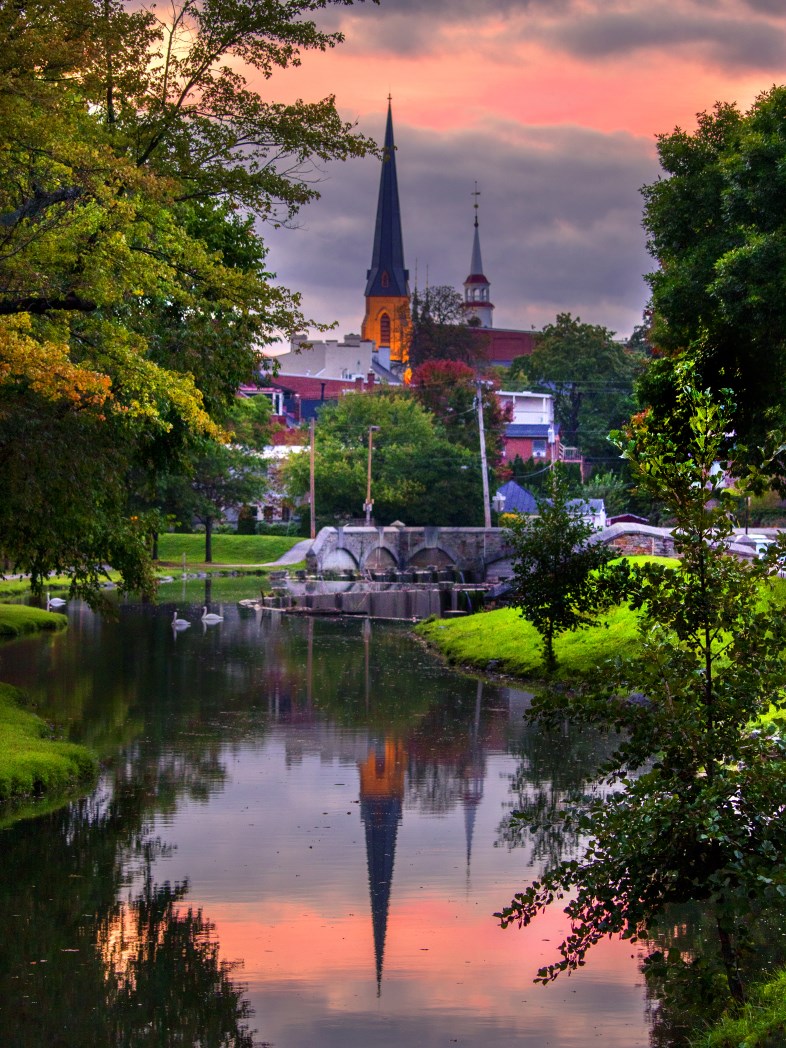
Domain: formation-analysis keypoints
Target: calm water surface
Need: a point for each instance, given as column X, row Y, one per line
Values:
column 299, row 839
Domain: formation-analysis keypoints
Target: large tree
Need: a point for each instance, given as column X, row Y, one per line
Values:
column 591, row 376
column 717, row 227
column 134, row 292
column 694, row 806
column 449, row 389
column 418, row 474
column 438, row 329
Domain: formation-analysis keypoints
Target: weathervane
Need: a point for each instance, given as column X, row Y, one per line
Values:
column 476, row 194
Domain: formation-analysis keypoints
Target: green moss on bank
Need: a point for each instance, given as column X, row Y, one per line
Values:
column 18, row 619
column 32, row 763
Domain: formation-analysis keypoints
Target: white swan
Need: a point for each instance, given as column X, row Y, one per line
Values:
column 54, row 602
column 179, row 624
column 210, row 617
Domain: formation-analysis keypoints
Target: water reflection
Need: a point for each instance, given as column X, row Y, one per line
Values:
column 299, row 818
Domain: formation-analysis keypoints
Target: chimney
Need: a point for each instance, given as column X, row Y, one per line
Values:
column 359, row 383
column 370, row 380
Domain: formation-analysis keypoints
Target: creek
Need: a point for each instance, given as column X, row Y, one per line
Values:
column 299, row 838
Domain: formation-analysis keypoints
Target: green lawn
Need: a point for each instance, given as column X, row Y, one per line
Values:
column 512, row 646
column 31, row 762
column 227, row 549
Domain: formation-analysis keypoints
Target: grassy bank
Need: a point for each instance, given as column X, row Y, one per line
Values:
column 761, row 1023
column 18, row 619
column 227, row 549
column 504, row 642
column 31, row 762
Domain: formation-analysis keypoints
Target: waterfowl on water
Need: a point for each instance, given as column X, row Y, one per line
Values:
column 179, row 624
column 54, row 602
column 210, row 617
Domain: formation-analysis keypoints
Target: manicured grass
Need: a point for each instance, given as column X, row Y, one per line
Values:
column 18, row 619
column 227, row 549
column 512, row 646
column 760, row 1024
column 31, row 762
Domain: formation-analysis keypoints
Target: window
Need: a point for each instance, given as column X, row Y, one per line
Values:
column 538, row 448
column 385, row 280
column 384, row 330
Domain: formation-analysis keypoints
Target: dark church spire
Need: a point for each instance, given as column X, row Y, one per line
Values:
column 387, row 316
column 387, row 275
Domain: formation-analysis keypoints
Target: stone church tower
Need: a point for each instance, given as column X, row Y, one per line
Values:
column 387, row 318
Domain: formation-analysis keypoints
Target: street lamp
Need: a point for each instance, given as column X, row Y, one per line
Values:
column 369, row 503
column 498, row 503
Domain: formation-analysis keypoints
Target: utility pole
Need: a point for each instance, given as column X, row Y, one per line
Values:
column 369, row 504
column 483, row 463
column 311, row 481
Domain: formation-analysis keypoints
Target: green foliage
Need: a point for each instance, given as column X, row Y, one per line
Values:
column 612, row 488
column 31, row 762
column 134, row 293
column 591, row 377
column 716, row 227
column 214, row 478
column 438, row 331
column 697, row 812
column 418, row 475
column 556, row 586
column 449, row 390
column 250, row 421
column 760, row 1024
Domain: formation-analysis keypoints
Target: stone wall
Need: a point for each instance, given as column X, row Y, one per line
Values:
column 469, row 550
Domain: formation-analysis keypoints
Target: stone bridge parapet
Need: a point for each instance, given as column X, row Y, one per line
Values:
column 472, row 551
column 480, row 554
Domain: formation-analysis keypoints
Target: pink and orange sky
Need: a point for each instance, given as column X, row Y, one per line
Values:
column 552, row 106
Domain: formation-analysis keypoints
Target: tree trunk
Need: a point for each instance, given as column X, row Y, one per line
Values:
column 208, row 540
column 729, row 955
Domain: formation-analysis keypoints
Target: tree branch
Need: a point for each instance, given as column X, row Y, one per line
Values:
column 39, row 202
column 41, row 304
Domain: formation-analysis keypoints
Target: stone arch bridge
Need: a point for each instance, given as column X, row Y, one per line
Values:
column 480, row 554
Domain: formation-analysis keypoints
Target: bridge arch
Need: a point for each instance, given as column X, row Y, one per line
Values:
column 431, row 556
column 339, row 560
column 380, row 559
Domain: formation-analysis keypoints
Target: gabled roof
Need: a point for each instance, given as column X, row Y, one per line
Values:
column 517, row 499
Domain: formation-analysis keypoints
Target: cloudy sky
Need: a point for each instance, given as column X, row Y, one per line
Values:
column 552, row 106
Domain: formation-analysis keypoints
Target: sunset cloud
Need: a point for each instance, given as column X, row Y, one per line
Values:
column 553, row 106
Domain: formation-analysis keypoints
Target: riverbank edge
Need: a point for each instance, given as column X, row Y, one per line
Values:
column 764, row 1017
column 38, row 772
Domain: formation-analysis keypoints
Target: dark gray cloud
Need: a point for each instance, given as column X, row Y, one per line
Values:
column 737, row 43
column 560, row 217
column 738, row 34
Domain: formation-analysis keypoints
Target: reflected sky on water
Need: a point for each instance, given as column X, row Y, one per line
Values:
column 301, row 819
